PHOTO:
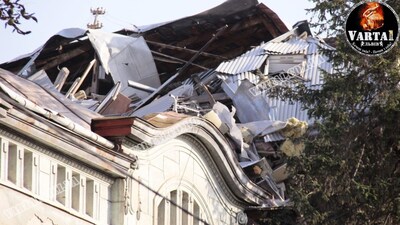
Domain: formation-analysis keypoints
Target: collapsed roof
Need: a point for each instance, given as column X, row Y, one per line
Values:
column 173, row 43
column 187, row 68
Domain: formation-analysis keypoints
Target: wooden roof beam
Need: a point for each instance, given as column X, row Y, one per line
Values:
column 171, row 59
column 172, row 47
column 45, row 65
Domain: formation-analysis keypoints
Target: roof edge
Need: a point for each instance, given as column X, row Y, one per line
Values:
column 218, row 147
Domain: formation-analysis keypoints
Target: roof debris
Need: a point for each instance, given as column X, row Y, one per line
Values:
column 140, row 73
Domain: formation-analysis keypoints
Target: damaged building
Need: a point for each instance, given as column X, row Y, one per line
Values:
column 166, row 124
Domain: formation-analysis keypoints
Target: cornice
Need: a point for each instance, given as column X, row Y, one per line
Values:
column 30, row 143
column 208, row 138
column 201, row 149
column 67, row 143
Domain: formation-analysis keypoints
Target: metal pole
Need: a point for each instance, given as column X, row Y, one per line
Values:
column 181, row 70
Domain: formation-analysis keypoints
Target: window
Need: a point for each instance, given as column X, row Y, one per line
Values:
column 28, row 169
column 183, row 209
column 76, row 189
column 185, row 206
column 196, row 212
column 288, row 64
column 161, row 213
column 46, row 178
column 12, row 162
column 90, row 197
column 61, row 184
column 173, row 209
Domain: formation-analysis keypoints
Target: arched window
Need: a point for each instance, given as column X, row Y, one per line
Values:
column 183, row 209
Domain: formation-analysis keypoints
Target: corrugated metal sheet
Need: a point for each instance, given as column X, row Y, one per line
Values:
column 293, row 46
column 247, row 62
column 233, row 71
column 277, row 136
column 315, row 63
column 237, row 79
column 165, row 102
column 283, row 110
column 256, row 57
column 203, row 76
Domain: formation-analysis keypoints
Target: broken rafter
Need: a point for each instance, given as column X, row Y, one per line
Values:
column 61, row 78
column 62, row 58
column 181, row 70
column 234, row 29
column 198, row 81
column 176, row 59
column 72, row 87
column 95, row 77
column 205, row 97
column 194, row 40
column 83, row 77
column 186, row 50
column 236, row 39
column 246, row 24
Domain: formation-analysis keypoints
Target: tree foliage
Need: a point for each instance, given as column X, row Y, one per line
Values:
column 350, row 170
column 12, row 12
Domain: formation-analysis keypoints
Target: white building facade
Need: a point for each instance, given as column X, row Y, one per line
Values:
column 53, row 172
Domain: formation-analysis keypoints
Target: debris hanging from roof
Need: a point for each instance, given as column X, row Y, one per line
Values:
column 142, row 74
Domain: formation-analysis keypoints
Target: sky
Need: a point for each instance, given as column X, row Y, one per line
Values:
column 53, row 16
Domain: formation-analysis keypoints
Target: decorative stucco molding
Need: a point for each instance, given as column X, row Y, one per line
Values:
column 206, row 138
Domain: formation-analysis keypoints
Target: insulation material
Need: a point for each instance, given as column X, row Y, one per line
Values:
column 291, row 148
column 295, row 128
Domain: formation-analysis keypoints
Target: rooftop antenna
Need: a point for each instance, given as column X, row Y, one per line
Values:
column 96, row 23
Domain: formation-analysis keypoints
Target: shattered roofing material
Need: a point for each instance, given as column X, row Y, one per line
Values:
column 249, row 22
column 48, row 99
column 277, row 136
column 164, row 119
column 128, row 58
column 62, row 36
column 165, row 102
column 288, row 45
column 250, row 108
column 249, row 61
column 125, row 58
column 235, row 81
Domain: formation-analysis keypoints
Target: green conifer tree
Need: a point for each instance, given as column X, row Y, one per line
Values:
column 350, row 170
